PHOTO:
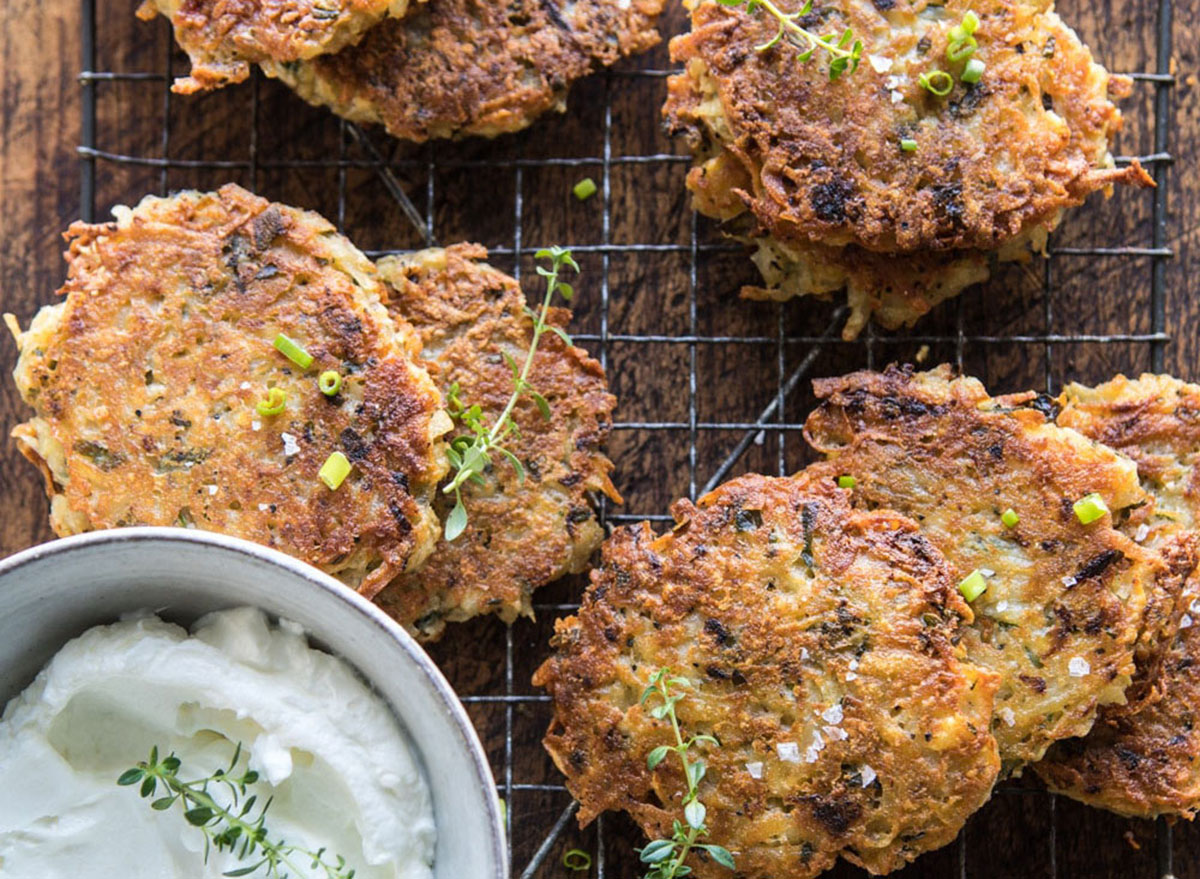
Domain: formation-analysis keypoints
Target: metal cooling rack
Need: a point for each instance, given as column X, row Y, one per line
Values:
column 794, row 353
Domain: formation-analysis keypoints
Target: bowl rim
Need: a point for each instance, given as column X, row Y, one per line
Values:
column 468, row 737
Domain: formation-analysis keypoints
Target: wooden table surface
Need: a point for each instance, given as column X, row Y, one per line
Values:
column 671, row 438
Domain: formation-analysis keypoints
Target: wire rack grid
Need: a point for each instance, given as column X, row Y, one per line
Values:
column 701, row 334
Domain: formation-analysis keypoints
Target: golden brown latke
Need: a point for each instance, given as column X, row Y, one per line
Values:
column 145, row 383
column 520, row 535
column 223, row 37
column 1146, row 762
column 456, row 68
column 820, row 646
column 1064, row 602
column 810, row 171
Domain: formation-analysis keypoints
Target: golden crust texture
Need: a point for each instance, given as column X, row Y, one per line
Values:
column 811, row 172
column 1146, row 762
column 819, row 643
column 457, row 68
column 145, row 382
column 1063, row 610
column 224, row 37
column 520, row 535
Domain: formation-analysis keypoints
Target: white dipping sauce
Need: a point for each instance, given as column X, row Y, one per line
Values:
column 328, row 749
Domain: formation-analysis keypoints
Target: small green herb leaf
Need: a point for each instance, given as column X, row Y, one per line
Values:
column 456, row 522
column 130, row 776
column 657, row 756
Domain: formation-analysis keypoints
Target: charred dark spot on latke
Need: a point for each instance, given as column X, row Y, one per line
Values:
column 1097, row 565
column 355, row 447
column 831, row 201
column 834, row 814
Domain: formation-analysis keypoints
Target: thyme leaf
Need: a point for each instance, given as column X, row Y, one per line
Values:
column 239, row 828
column 471, row 453
column 665, row 857
column 844, row 51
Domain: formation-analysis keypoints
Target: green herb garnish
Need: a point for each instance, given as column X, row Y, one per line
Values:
column 938, row 82
column 577, row 859
column 844, row 51
column 329, row 382
column 847, row 482
column 1010, row 518
column 1090, row 508
column 666, row 856
column 471, row 453
column 293, row 351
column 274, row 404
column 908, row 145
column 962, row 42
column 238, row 828
column 334, row 471
column 973, row 72
column 973, row 585
column 584, row 189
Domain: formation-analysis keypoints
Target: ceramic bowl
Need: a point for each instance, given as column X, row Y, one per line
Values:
column 53, row 592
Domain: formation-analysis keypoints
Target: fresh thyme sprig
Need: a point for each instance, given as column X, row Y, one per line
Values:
column 844, row 51
column 471, row 453
column 238, row 828
column 666, row 856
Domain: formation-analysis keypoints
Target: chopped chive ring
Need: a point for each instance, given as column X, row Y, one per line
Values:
column 973, row 585
column 329, row 382
column 583, row 190
column 973, row 72
column 938, row 82
column 577, row 860
column 908, row 145
column 961, row 50
column 1010, row 518
column 1090, row 508
column 293, row 351
column 847, row 482
column 275, row 403
column 335, row 470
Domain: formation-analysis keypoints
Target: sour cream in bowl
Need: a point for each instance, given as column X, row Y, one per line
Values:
column 206, row 648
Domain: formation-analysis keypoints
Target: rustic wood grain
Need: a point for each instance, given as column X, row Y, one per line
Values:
column 1023, row 832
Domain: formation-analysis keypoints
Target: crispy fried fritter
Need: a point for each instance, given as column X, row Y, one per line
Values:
column 456, row 68
column 145, row 383
column 810, row 171
column 520, row 535
column 223, row 37
column 1147, row 762
column 1064, row 602
column 819, row 646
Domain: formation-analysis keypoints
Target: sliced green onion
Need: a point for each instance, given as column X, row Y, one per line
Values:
column 275, row 403
column 584, row 189
column 973, row 585
column 960, row 50
column 293, row 352
column 335, row 470
column 970, row 22
column 908, row 145
column 939, row 82
column 847, row 482
column 329, row 382
column 973, row 72
column 577, row 859
column 1010, row 518
column 1090, row 508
